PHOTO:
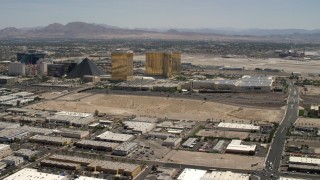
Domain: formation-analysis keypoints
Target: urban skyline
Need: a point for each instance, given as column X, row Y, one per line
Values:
column 296, row 14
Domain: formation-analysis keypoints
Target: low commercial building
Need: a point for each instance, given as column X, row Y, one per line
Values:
column 110, row 167
column 71, row 159
column 255, row 83
column 59, row 141
column 97, row 145
column 189, row 142
column 10, row 135
column 13, row 160
column 192, row 174
column 88, row 178
column 162, row 174
column 8, row 80
column 61, row 165
column 289, row 178
column 17, row 69
column 158, row 135
column 304, row 160
column 218, row 148
column 114, row 137
column 171, row 142
column 3, row 165
column 182, row 124
column 72, row 118
column 145, row 119
column 6, row 125
column 72, row 133
column 139, row 127
column 197, row 174
column 225, row 175
column 33, row 174
column 5, row 150
column 27, row 154
column 106, row 122
column 235, row 146
column 303, row 168
column 34, row 130
column 238, row 127
column 125, row 148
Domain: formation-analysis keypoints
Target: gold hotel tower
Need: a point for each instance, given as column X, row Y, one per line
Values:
column 163, row 63
column 122, row 65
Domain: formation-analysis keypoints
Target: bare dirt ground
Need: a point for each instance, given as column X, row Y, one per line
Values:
column 51, row 95
column 226, row 134
column 160, row 107
column 289, row 66
column 311, row 90
column 298, row 142
column 308, row 122
column 215, row 160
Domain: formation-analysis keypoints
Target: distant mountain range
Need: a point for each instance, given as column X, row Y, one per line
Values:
column 81, row 30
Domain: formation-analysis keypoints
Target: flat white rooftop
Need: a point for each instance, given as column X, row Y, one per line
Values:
column 76, row 114
column 192, row 174
column 238, row 126
column 287, row 178
column 236, row 145
column 144, row 127
column 304, row 160
column 88, row 178
column 4, row 146
column 33, row 174
column 110, row 136
column 225, row 175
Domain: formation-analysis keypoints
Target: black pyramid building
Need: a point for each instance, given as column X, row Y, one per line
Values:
column 86, row 67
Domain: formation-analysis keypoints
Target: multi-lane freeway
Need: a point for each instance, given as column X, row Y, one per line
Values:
column 274, row 157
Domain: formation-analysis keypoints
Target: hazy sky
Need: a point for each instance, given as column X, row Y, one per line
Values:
column 304, row 14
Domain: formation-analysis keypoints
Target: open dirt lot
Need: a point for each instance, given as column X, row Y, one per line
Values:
column 160, row 107
column 298, row 142
column 289, row 66
column 226, row 134
column 215, row 160
column 311, row 90
column 308, row 122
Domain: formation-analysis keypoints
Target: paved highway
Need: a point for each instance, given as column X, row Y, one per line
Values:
column 274, row 157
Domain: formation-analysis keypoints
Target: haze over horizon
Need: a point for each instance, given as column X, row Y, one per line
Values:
column 248, row 14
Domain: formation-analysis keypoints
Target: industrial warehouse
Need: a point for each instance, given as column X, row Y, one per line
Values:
column 238, row 127
column 72, row 118
column 304, row 164
column 98, row 145
column 236, row 146
column 125, row 169
column 138, row 127
column 60, row 141
column 197, row 174
column 245, row 84
column 125, row 148
column 114, row 137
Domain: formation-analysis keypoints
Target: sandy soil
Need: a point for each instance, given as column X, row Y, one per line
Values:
column 289, row 66
column 51, row 95
column 227, row 134
column 215, row 160
column 308, row 122
column 311, row 90
column 159, row 107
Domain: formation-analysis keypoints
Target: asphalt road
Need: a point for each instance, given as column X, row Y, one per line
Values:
column 276, row 150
